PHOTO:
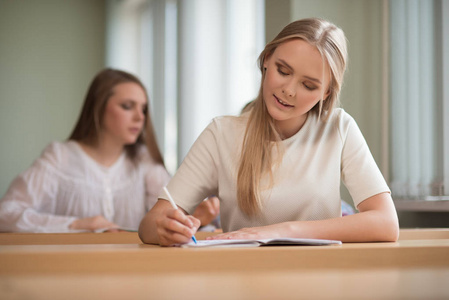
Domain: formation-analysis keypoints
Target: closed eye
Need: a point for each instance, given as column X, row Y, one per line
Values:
column 126, row 106
column 309, row 86
column 282, row 70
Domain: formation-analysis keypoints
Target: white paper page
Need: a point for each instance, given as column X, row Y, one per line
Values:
column 222, row 243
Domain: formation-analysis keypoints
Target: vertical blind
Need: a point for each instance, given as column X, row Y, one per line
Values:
column 196, row 57
column 419, row 152
column 219, row 42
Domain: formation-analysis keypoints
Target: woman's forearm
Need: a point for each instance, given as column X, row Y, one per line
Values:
column 147, row 228
column 376, row 222
column 368, row 226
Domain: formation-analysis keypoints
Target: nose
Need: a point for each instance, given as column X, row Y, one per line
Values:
column 138, row 115
column 289, row 89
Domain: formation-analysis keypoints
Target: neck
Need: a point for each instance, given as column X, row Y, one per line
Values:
column 104, row 152
column 289, row 128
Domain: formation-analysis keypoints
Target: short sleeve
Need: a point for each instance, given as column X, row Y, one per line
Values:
column 360, row 173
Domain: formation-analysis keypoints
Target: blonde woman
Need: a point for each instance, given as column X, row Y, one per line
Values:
column 277, row 169
column 107, row 175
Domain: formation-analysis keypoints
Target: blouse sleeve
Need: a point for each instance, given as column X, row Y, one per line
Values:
column 360, row 173
column 26, row 206
column 197, row 177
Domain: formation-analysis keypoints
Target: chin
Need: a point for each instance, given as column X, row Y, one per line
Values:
column 276, row 115
column 130, row 141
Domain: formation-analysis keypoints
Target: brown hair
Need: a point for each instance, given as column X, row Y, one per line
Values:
column 89, row 123
column 256, row 156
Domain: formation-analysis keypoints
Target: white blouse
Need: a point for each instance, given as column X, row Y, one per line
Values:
column 65, row 184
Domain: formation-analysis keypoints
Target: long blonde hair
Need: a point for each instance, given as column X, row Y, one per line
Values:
column 256, row 155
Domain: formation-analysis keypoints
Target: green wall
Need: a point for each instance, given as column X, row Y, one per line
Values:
column 49, row 52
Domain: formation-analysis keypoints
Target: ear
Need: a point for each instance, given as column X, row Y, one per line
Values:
column 266, row 59
column 328, row 92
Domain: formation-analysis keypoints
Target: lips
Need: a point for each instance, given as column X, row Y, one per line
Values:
column 134, row 130
column 282, row 102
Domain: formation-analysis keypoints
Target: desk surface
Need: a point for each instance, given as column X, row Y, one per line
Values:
column 77, row 238
column 133, row 238
column 424, row 234
column 407, row 269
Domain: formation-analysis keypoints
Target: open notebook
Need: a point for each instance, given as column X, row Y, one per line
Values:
column 259, row 243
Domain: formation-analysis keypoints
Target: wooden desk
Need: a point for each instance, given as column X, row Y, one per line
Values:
column 408, row 269
column 69, row 238
column 76, row 238
column 133, row 238
column 424, row 234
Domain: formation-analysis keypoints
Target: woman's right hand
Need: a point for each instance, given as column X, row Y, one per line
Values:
column 175, row 227
column 92, row 223
column 167, row 226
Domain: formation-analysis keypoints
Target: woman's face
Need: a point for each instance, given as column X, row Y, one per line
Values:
column 295, row 80
column 124, row 116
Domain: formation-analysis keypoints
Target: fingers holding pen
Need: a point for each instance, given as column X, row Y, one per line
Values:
column 196, row 222
column 178, row 218
column 175, row 227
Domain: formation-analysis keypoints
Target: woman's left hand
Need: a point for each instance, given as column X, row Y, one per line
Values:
column 208, row 210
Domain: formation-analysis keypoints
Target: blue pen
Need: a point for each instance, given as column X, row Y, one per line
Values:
column 172, row 202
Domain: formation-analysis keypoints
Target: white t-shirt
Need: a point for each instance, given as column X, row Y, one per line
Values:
column 64, row 184
column 306, row 183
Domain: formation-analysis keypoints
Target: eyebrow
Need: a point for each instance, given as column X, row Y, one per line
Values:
column 133, row 101
column 313, row 79
column 307, row 77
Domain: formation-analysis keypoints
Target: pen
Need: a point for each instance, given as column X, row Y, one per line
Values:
column 172, row 202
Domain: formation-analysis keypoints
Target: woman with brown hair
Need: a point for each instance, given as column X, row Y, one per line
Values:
column 107, row 175
column 277, row 168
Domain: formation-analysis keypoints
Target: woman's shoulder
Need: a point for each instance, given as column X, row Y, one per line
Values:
column 58, row 151
column 143, row 154
column 54, row 157
column 144, row 158
column 340, row 118
column 147, row 164
column 340, row 115
column 338, row 122
column 229, row 124
column 343, row 121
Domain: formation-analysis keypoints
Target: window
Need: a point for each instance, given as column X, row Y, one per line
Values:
column 419, row 49
column 196, row 57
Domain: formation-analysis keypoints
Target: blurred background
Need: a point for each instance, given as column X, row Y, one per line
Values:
column 198, row 60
